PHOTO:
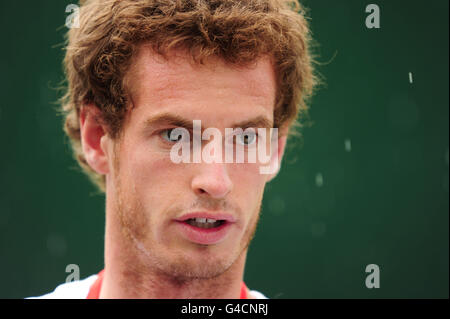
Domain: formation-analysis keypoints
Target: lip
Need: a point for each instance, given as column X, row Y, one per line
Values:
column 217, row 216
column 205, row 236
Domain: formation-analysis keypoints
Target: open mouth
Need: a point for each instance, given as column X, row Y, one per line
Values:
column 203, row 230
column 204, row 223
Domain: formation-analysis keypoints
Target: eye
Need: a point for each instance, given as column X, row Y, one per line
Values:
column 173, row 135
column 247, row 138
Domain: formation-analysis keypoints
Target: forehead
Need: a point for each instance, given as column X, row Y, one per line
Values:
column 155, row 81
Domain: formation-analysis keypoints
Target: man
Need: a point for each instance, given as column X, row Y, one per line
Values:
column 136, row 71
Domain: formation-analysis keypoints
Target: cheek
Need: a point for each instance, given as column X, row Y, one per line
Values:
column 247, row 174
column 153, row 175
column 248, row 185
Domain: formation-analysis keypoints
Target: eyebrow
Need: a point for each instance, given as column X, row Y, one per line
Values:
column 257, row 122
column 178, row 121
column 168, row 119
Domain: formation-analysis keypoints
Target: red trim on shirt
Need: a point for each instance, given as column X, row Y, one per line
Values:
column 94, row 291
column 243, row 291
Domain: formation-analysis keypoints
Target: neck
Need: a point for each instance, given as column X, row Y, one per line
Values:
column 126, row 275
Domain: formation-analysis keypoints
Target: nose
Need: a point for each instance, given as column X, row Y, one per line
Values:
column 213, row 180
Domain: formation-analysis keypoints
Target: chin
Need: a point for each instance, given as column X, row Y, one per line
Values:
column 197, row 265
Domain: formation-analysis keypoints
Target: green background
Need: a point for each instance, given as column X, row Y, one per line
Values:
column 332, row 210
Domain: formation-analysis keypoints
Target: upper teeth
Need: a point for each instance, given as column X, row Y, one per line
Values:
column 205, row 220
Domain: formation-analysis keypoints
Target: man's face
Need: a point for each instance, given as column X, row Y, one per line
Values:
column 153, row 195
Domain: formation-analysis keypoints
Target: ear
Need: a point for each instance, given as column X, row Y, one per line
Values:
column 94, row 140
column 277, row 157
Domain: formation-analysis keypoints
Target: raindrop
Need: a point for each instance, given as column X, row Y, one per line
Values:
column 319, row 180
column 348, row 145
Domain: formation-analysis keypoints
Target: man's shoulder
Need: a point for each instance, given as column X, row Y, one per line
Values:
column 72, row 290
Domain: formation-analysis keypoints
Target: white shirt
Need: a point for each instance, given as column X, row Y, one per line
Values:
column 80, row 289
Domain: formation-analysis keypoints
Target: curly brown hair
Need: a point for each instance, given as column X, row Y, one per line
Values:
column 99, row 52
